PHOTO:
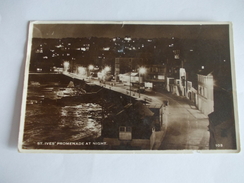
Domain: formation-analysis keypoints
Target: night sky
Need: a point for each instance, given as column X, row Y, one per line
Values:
column 210, row 42
column 55, row 30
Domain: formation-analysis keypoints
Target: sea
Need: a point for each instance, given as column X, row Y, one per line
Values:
column 51, row 125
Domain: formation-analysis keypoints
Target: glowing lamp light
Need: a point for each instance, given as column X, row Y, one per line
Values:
column 66, row 66
column 81, row 70
column 90, row 67
column 142, row 70
column 107, row 68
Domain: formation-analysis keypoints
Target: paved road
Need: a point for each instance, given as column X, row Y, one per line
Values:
column 187, row 127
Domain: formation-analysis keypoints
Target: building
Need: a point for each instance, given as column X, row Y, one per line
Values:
column 155, row 76
column 129, row 78
column 134, row 126
column 177, row 85
column 205, row 97
column 191, row 92
column 125, row 65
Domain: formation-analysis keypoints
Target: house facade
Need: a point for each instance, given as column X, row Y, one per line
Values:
column 155, row 76
column 191, row 92
column 177, row 85
column 134, row 127
column 205, row 96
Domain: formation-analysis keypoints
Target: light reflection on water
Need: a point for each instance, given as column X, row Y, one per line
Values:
column 54, row 123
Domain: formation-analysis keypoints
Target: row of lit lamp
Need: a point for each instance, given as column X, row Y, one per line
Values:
column 142, row 70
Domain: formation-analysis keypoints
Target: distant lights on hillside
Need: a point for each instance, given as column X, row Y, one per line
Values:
column 127, row 38
column 106, row 48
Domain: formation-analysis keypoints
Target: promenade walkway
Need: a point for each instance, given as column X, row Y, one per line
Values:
column 185, row 126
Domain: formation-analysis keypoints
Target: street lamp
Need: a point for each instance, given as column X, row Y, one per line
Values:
column 81, row 71
column 90, row 68
column 66, row 66
column 107, row 68
column 105, row 72
column 142, row 70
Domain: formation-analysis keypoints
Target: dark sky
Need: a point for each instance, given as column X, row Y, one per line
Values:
column 55, row 30
column 209, row 42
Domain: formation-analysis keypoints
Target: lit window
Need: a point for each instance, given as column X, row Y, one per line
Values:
column 125, row 133
column 161, row 77
column 177, row 56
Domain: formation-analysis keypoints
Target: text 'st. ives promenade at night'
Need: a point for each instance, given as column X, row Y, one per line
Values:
column 122, row 86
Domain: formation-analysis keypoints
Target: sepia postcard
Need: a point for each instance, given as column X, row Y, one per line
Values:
column 141, row 87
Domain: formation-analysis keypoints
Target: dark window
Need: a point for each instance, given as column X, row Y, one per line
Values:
column 128, row 129
column 122, row 129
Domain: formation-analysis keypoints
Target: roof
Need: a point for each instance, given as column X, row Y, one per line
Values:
column 155, row 105
column 133, row 74
column 205, row 72
column 138, row 108
column 142, row 110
